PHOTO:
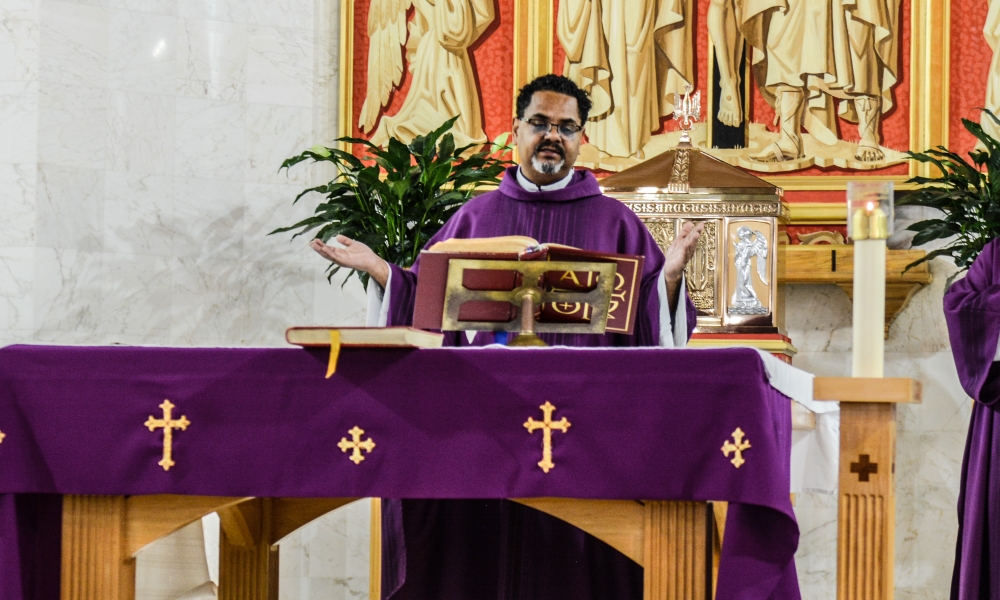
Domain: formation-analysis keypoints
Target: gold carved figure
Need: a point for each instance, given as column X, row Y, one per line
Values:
column 168, row 425
column 700, row 270
column 547, row 425
column 738, row 448
column 437, row 43
column 631, row 56
column 356, row 445
column 807, row 56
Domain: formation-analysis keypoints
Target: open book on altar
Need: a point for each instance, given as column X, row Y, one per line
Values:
column 434, row 263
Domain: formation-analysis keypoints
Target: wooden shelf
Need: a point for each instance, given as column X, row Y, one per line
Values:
column 868, row 389
column 834, row 264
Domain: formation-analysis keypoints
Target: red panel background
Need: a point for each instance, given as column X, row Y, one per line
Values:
column 970, row 64
column 491, row 61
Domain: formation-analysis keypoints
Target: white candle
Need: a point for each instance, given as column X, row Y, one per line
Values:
column 869, row 219
column 869, row 308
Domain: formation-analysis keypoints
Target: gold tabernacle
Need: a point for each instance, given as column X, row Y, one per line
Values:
column 531, row 293
column 732, row 277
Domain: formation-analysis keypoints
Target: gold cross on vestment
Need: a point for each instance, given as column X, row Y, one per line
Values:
column 356, row 445
column 2, row 436
column 546, row 425
column 738, row 448
column 168, row 425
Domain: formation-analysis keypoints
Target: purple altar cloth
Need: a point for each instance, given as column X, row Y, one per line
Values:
column 449, row 423
column 972, row 309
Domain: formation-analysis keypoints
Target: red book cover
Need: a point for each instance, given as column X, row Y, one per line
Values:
column 624, row 295
column 432, row 285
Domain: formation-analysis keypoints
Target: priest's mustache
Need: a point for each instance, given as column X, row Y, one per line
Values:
column 557, row 149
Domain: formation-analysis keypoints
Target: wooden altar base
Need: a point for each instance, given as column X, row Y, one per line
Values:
column 102, row 534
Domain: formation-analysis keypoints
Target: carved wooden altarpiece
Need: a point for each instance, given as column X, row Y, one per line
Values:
column 483, row 75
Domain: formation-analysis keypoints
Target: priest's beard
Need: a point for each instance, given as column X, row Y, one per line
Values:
column 547, row 168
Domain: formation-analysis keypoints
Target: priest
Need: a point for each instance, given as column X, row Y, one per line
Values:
column 498, row 549
column 972, row 309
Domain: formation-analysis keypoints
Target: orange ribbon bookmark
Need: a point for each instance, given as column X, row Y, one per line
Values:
column 331, row 367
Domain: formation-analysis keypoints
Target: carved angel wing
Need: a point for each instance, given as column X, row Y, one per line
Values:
column 760, row 249
column 386, row 38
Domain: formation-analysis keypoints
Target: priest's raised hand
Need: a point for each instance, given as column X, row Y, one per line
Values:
column 354, row 255
column 676, row 258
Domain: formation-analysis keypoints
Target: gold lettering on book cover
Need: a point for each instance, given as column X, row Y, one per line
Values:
column 700, row 270
column 617, row 295
column 570, row 276
column 579, row 310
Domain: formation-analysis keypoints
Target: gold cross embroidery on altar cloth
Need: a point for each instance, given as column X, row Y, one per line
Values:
column 546, row 425
column 738, row 448
column 356, row 445
column 168, row 425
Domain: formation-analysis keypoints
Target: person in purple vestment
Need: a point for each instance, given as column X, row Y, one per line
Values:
column 496, row 549
column 972, row 309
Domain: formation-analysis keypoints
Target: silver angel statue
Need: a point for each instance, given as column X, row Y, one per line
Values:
column 751, row 243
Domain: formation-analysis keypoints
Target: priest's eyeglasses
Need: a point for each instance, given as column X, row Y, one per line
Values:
column 567, row 130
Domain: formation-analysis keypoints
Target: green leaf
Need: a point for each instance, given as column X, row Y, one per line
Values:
column 967, row 194
column 396, row 198
column 446, row 149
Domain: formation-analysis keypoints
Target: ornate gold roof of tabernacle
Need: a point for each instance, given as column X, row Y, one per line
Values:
column 686, row 170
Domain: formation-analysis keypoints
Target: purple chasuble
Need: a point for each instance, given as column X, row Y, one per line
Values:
column 972, row 309
column 497, row 549
column 577, row 215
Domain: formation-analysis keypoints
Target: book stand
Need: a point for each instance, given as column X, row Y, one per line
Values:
column 528, row 297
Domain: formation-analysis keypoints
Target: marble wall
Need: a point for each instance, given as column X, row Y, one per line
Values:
column 140, row 142
column 139, row 147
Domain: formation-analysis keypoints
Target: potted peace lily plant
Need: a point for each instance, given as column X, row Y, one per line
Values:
column 967, row 195
column 395, row 199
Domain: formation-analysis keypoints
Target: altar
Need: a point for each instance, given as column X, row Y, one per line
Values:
column 119, row 429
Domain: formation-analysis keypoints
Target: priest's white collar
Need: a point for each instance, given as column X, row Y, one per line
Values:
column 530, row 186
